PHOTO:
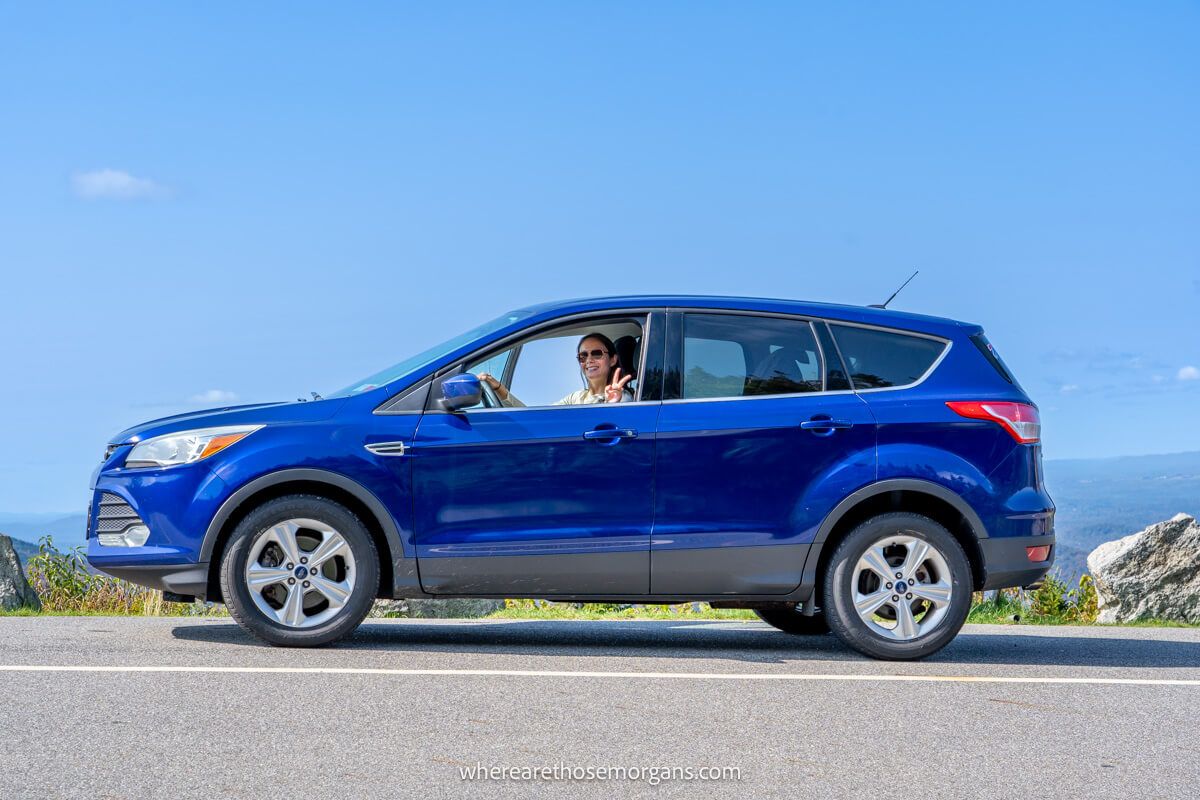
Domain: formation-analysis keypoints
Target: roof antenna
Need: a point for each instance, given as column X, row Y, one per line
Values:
column 893, row 297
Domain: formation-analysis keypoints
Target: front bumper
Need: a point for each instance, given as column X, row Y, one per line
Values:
column 1005, row 562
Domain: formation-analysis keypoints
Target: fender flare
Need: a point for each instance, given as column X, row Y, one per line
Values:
column 809, row 578
column 404, row 570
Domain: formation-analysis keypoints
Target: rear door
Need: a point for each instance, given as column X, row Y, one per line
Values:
column 757, row 440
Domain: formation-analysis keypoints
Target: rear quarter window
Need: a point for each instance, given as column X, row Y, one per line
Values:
column 879, row 359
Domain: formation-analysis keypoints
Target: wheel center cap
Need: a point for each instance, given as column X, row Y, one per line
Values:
column 901, row 587
column 302, row 572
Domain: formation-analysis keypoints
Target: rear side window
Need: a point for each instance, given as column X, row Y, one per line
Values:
column 879, row 359
column 748, row 356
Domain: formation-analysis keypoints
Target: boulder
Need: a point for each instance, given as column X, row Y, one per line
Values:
column 457, row 608
column 1154, row 574
column 15, row 591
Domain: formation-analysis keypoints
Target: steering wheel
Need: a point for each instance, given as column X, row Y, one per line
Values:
column 490, row 398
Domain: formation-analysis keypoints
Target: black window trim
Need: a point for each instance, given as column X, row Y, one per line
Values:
column 391, row 406
column 825, row 336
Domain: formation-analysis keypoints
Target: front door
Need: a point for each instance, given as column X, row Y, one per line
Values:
column 536, row 501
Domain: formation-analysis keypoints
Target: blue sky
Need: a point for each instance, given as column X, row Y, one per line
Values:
column 212, row 201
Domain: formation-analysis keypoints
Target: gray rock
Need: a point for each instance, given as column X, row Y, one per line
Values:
column 457, row 608
column 1151, row 574
column 15, row 591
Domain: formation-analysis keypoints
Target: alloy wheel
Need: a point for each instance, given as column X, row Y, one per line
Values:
column 300, row 573
column 902, row 587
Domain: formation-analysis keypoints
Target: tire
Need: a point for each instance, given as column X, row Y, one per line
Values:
column 288, row 605
column 937, row 603
column 790, row 620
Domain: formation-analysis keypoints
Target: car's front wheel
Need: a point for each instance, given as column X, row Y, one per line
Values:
column 300, row 571
column 898, row 587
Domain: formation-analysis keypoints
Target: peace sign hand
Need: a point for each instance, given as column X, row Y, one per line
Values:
column 614, row 392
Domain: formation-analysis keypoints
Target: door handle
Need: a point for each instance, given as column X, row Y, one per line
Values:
column 823, row 424
column 610, row 433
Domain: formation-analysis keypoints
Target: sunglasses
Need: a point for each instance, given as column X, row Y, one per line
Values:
column 584, row 355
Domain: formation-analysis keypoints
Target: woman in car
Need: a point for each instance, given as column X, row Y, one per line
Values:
column 597, row 356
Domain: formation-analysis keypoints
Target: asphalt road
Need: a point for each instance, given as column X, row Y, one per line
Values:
column 128, row 707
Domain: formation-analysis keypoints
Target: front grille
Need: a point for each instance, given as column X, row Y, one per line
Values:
column 115, row 515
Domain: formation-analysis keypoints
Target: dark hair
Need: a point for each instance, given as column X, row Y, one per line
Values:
column 608, row 345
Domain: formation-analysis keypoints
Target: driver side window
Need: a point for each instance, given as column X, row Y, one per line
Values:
column 544, row 370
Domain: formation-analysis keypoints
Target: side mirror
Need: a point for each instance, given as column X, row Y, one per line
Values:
column 459, row 392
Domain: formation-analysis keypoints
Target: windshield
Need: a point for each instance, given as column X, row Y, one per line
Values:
column 427, row 357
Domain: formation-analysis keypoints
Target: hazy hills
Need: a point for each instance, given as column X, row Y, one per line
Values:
column 1098, row 500
column 1103, row 499
column 68, row 530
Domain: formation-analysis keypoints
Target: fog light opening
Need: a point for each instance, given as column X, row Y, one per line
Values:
column 133, row 536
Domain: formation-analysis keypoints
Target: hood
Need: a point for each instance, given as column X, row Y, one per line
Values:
column 254, row 414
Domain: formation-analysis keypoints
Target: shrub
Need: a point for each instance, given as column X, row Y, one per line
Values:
column 66, row 585
column 1050, row 599
column 1052, row 602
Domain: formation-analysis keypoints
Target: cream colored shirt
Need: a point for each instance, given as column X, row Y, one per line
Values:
column 582, row 397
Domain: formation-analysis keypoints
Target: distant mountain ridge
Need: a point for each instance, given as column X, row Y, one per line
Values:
column 68, row 530
column 1098, row 500
column 25, row 551
column 1103, row 499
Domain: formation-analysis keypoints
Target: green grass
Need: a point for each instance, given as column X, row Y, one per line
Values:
column 529, row 609
column 979, row 615
column 66, row 588
column 169, row 610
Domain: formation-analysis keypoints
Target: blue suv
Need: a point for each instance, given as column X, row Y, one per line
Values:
column 829, row 467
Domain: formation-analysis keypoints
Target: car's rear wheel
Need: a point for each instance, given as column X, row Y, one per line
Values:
column 300, row 571
column 792, row 620
column 898, row 587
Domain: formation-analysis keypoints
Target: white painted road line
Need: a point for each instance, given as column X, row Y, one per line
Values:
column 534, row 673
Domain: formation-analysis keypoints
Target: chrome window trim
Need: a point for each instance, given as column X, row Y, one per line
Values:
column 932, row 367
column 646, row 312
column 792, row 395
column 949, row 343
column 824, row 373
column 553, row 408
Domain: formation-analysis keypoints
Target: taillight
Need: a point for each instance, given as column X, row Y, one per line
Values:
column 1019, row 419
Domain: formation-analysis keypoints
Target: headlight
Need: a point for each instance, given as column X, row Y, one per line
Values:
column 186, row 446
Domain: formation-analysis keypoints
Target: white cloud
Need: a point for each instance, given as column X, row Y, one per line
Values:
column 1188, row 374
column 114, row 183
column 1068, row 388
column 213, row 396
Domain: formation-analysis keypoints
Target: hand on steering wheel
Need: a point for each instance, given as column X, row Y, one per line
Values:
column 488, row 384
